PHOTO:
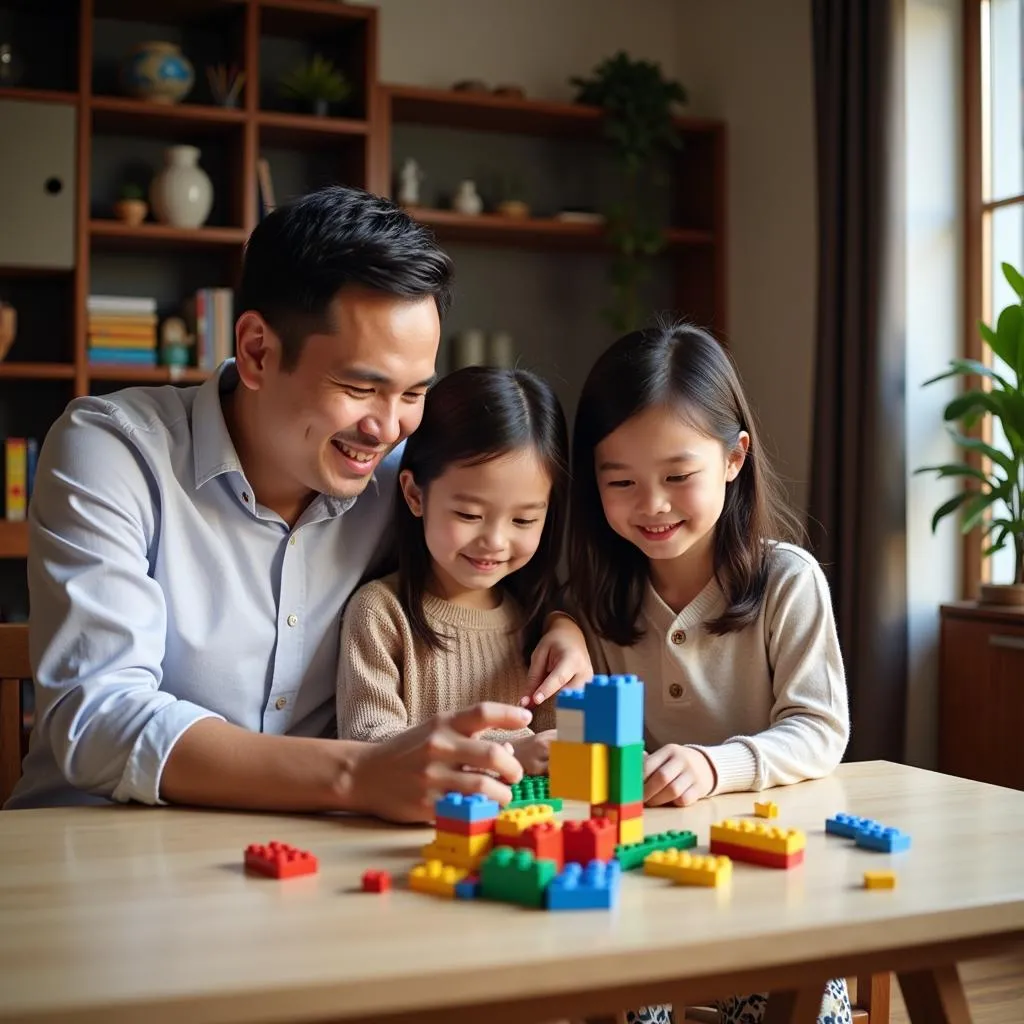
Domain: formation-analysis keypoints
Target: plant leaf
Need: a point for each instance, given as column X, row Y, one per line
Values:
column 949, row 506
column 968, row 367
column 1008, row 333
column 960, row 469
column 975, row 444
column 975, row 509
column 1014, row 279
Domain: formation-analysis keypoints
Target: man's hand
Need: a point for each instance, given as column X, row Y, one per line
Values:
column 677, row 775
column 559, row 660
column 532, row 752
column 402, row 778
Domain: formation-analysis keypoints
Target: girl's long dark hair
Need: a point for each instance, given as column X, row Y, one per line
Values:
column 471, row 416
column 685, row 369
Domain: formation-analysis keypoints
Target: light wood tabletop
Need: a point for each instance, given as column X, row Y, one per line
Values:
column 131, row 914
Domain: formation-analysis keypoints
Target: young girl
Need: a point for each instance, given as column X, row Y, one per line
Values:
column 484, row 490
column 680, row 572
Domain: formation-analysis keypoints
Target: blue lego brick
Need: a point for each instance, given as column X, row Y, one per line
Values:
column 883, row 839
column 573, row 699
column 595, row 887
column 614, row 711
column 468, row 889
column 463, row 807
column 847, row 825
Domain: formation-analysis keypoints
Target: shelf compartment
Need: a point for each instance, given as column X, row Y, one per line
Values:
column 121, row 116
column 112, row 234
column 282, row 129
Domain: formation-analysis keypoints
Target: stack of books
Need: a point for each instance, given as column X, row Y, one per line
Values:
column 20, row 454
column 122, row 330
column 211, row 317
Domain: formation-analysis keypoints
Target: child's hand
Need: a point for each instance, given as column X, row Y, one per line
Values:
column 677, row 775
column 532, row 752
column 559, row 660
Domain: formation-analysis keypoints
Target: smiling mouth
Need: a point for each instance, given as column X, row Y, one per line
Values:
column 660, row 532
column 483, row 564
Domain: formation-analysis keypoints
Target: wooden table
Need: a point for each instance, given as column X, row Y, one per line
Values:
column 138, row 914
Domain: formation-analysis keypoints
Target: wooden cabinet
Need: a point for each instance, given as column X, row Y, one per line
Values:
column 981, row 693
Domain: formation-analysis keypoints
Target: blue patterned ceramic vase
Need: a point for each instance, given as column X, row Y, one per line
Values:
column 159, row 72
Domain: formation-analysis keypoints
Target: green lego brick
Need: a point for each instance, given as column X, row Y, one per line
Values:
column 632, row 856
column 626, row 774
column 516, row 876
column 533, row 789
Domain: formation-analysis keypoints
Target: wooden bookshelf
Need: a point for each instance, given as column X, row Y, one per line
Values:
column 37, row 371
column 38, row 95
column 114, row 234
column 122, row 116
column 148, row 374
column 13, row 539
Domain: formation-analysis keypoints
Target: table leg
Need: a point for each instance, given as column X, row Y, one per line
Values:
column 797, row 1006
column 935, row 996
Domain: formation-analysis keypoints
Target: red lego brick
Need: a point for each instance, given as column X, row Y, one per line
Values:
column 465, row 828
column 376, row 881
column 584, row 841
column 618, row 812
column 279, row 860
column 545, row 840
column 760, row 857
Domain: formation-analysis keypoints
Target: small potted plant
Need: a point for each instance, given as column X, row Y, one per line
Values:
column 993, row 497
column 317, row 83
column 131, row 208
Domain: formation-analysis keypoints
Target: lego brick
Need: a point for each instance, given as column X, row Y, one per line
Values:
column 544, row 840
column 465, row 860
column 758, row 836
column 279, row 860
column 515, row 876
column 584, row 841
column 453, row 826
column 467, row 846
column 376, row 881
column 594, row 887
column 533, row 789
column 571, row 698
column 516, row 821
column 468, row 888
column 569, row 719
column 687, row 868
column 766, row 809
column 879, row 880
column 579, row 771
column 463, row 807
column 882, row 839
column 630, row 831
column 436, row 878
column 753, row 855
column 618, row 812
column 614, row 711
column 632, row 855
column 847, row 825
column 626, row 774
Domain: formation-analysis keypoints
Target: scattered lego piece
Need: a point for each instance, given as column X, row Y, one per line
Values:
column 436, row 878
column 594, row 887
column 879, row 880
column 516, row 821
column 485, row 826
column 569, row 715
column 754, row 855
column 579, row 771
column 515, row 876
column 766, row 809
column 846, row 825
column 755, row 835
column 626, row 774
column 614, row 711
column 687, row 868
column 279, row 860
column 882, row 839
column 632, row 855
column 376, row 881
column 533, row 789
column 584, row 841
column 468, row 888
column 463, row 807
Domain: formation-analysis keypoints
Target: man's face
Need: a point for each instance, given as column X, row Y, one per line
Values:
column 355, row 392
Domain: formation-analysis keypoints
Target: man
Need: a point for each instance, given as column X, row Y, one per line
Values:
column 191, row 549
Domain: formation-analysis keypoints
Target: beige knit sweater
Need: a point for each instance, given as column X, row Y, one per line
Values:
column 767, row 704
column 388, row 681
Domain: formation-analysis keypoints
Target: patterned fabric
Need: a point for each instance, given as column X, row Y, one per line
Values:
column 835, row 1008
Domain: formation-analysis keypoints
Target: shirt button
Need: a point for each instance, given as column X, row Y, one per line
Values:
column 281, row 703
column 675, row 691
column 245, row 497
column 293, row 620
column 678, row 637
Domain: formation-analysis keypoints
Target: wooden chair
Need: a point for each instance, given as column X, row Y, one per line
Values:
column 14, row 668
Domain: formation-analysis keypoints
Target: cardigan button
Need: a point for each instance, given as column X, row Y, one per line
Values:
column 675, row 691
column 678, row 637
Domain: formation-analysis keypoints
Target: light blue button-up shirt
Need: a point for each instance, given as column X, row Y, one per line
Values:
column 161, row 592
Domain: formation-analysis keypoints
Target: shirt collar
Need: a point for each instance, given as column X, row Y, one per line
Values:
column 212, row 448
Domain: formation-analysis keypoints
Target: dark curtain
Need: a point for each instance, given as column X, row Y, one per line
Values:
column 858, row 492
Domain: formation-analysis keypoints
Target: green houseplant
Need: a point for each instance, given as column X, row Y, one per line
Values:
column 993, row 497
column 638, row 126
column 318, row 83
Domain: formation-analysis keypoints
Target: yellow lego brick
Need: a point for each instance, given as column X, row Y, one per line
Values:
column 454, row 858
column 687, row 868
column 516, row 821
column 879, row 880
column 631, row 831
column 756, row 836
column 579, row 771
column 436, row 878
column 767, row 809
column 468, row 846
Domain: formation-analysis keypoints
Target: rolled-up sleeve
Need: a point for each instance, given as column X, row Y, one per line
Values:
column 98, row 618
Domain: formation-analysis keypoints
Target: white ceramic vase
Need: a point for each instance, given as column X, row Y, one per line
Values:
column 467, row 200
column 182, row 193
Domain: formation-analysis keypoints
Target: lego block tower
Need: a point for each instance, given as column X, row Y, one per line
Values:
column 598, row 756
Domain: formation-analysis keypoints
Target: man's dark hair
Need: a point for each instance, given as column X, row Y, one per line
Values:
column 303, row 253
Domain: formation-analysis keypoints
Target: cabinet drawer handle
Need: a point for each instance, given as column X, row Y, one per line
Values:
column 1014, row 643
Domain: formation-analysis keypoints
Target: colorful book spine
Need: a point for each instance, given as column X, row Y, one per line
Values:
column 16, row 478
